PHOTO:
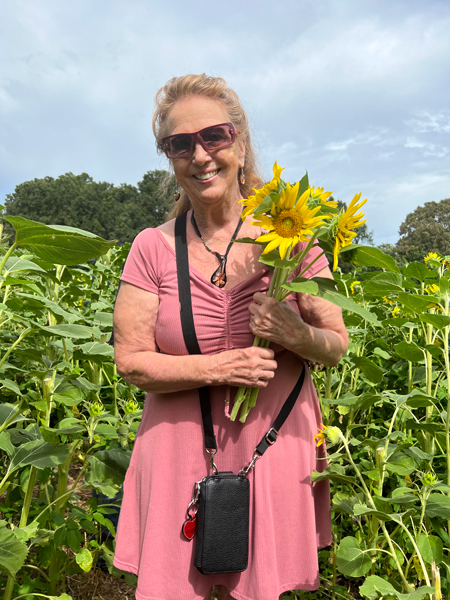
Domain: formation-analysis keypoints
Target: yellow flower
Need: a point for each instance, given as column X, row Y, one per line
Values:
column 254, row 201
column 387, row 300
column 396, row 311
column 290, row 222
column 432, row 289
column 353, row 284
column 343, row 224
column 319, row 194
column 320, row 436
column 431, row 255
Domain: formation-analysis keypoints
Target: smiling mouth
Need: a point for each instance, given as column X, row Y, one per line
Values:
column 206, row 176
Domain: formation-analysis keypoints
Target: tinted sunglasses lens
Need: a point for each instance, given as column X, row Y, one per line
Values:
column 179, row 145
column 216, row 137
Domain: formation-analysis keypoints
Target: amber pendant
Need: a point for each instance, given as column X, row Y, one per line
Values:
column 219, row 277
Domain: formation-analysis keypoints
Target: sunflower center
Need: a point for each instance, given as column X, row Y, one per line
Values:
column 288, row 223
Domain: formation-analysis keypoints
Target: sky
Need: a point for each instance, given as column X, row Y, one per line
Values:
column 356, row 92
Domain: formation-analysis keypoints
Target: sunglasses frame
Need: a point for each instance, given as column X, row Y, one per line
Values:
column 195, row 138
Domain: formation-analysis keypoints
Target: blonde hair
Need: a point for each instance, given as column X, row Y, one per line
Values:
column 216, row 89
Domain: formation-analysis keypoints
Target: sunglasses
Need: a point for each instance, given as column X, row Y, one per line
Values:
column 181, row 145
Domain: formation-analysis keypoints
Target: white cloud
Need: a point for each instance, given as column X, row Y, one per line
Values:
column 354, row 92
column 428, row 149
column 439, row 122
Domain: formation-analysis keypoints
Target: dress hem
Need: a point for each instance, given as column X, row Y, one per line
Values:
column 125, row 567
column 287, row 587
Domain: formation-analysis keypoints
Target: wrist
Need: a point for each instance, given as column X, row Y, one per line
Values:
column 298, row 339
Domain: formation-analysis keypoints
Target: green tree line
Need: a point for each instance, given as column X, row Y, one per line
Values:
column 111, row 212
column 121, row 212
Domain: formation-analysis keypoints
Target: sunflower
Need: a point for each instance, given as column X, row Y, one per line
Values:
column 254, row 201
column 289, row 222
column 431, row 255
column 321, row 435
column 319, row 194
column 353, row 285
column 343, row 224
column 432, row 289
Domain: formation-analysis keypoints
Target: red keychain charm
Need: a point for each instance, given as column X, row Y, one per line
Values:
column 189, row 527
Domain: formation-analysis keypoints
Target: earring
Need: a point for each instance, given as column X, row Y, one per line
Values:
column 242, row 176
column 176, row 196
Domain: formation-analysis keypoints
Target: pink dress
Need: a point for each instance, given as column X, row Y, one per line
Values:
column 289, row 516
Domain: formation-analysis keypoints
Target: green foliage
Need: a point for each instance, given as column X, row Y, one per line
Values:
column 385, row 410
column 111, row 212
column 426, row 229
column 62, row 406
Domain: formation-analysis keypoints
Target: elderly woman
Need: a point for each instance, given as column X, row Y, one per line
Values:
column 201, row 126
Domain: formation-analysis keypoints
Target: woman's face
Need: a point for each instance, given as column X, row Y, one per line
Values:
column 220, row 167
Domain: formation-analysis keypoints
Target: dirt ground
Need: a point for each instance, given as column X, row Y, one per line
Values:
column 102, row 586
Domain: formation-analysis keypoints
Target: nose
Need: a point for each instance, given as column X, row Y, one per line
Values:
column 200, row 155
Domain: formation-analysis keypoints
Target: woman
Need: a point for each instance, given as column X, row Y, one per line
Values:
column 214, row 166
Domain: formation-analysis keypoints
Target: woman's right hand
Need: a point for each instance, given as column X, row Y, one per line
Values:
column 247, row 367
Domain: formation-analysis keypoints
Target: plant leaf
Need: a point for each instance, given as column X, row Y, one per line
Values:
column 368, row 256
column 351, row 560
column 58, row 243
column 13, row 552
column 374, row 587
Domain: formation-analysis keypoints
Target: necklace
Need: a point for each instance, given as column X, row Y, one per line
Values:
column 219, row 277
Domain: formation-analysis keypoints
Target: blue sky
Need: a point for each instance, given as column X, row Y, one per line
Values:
column 356, row 92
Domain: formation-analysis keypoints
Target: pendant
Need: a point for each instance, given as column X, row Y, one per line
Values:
column 219, row 277
column 189, row 527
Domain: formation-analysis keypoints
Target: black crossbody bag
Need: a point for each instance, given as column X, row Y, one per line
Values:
column 219, row 510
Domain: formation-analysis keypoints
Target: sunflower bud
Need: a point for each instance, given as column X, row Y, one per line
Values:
column 334, row 434
column 96, row 408
column 429, row 478
column 130, row 407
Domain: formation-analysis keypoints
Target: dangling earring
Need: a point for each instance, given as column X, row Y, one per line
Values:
column 242, row 176
column 176, row 196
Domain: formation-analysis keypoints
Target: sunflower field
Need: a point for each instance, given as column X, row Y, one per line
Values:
column 67, row 422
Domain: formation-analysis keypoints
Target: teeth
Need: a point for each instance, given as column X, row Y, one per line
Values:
column 204, row 176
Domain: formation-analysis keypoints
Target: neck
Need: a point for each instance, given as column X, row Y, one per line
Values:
column 218, row 217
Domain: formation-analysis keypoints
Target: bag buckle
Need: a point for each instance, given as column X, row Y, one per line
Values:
column 251, row 464
column 212, row 452
column 271, row 436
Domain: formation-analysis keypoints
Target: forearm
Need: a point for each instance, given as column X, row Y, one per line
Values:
column 318, row 345
column 162, row 373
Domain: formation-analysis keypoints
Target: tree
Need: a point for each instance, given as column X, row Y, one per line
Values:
column 112, row 212
column 426, row 229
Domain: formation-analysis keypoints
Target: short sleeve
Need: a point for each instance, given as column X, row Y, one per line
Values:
column 143, row 265
column 315, row 252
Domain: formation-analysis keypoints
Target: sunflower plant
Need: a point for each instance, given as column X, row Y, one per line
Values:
column 289, row 215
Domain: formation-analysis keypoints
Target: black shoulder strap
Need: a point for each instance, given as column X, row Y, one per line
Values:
column 190, row 339
column 187, row 322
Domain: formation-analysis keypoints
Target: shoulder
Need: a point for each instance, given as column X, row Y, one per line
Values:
column 167, row 231
column 148, row 257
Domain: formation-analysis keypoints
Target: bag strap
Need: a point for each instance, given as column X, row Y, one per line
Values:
column 187, row 323
column 191, row 341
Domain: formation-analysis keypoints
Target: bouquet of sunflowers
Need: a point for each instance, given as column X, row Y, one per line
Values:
column 292, row 214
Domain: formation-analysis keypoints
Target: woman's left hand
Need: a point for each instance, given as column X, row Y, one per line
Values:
column 273, row 320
